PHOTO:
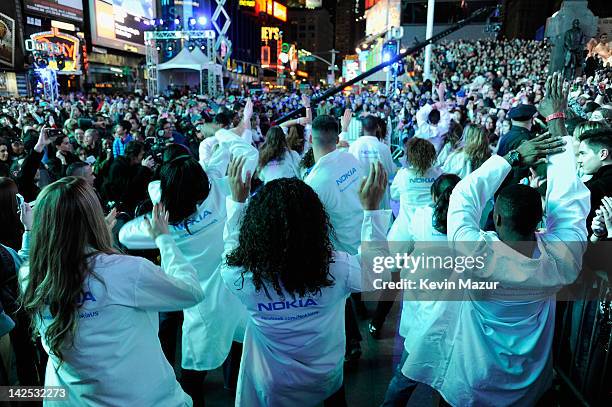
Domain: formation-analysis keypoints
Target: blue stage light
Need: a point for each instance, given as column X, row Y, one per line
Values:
column 202, row 20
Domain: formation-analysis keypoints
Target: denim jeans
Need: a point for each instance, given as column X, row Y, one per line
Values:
column 401, row 389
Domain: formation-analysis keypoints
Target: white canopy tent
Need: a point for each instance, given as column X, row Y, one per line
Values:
column 185, row 63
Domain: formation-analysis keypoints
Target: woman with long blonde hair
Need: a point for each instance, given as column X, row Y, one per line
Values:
column 97, row 310
column 474, row 151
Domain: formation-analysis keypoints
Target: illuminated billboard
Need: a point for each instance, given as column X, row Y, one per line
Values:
column 120, row 24
column 271, row 7
column 382, row 16
column 57, row 46
column 64, row 9
column 370, row 3
column 314, row 3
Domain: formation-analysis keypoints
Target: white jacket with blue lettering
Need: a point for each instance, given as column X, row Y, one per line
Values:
column 335, row 178
column 210, row 326
column 293, row 351
column 413, row 190
column 499, row 352
column 117, row 359
column 368, row 150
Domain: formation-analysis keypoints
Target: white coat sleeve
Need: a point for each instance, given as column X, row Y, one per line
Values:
column 387, row 161
column 173, row 286
column 567, row 207
column 397, row 184
column 360, row 276
column 216, row 166
column 231, row 146
column 444, row 124
column 24, row 252
column 470, row 196
column 423, row 114
column 135, row 236
column 231, row 232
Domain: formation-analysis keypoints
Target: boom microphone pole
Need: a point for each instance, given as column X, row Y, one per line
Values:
column 358, row 78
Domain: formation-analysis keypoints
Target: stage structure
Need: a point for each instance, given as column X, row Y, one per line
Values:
column 211, row 82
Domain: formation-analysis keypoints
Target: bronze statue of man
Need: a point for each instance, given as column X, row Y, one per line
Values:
column 573, row 42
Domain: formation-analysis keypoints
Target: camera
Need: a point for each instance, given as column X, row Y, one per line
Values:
column 155, row 148
column 55, row 133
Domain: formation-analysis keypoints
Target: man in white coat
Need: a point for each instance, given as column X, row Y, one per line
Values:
column 335, row 178
column 215, row 155
column 433, row 121
column 499, row 352
column 369, row 149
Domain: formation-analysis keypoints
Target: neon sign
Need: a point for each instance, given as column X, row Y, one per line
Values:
column 56, row 45
column 270, row 33
column 280, row 11
column 271, row 7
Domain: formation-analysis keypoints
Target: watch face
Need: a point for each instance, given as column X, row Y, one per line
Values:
column 514, row 156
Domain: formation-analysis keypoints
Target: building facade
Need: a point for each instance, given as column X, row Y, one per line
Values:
column 312, row 30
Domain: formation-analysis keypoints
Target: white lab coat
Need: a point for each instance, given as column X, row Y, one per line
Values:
column 210, row 326
column 457, row 163
column 418, row 316
column 206, row 149
column 413, row 191
column 117, row 359
column 336, row 178
column 498, row 352
column 368, row 149
column 287, row 167
column 229, row 145
column 293, row 355
column 443, row 154
column 435, row 134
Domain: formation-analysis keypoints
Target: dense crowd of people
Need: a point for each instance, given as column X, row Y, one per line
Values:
column 123, row 215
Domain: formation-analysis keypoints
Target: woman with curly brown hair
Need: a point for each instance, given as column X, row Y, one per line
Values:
column 412, row 184
column 281, row 264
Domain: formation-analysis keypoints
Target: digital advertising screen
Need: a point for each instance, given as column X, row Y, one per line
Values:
column 120, row 24
column 64, row 9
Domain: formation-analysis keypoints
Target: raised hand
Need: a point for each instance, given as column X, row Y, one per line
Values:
column 532, row 151
column 555, row 99
column 346, row 119
column 111, row 219
column 373, row 187
column 26, row 216
column 158, row 225
column 248, row 110
column 240, row 189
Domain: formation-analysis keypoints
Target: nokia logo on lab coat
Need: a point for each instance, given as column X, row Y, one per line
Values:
column 422, row 180
column 86, row 296
column 280, row 305
column 346, row 176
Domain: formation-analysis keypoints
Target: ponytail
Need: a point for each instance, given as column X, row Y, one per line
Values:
column 441, row 189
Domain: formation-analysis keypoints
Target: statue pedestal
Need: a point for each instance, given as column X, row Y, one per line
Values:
column 561, row 21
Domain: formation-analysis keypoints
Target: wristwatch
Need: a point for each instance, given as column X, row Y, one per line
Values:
column 513, row 157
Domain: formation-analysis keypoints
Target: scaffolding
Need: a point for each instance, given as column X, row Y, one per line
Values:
column 214, row 72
